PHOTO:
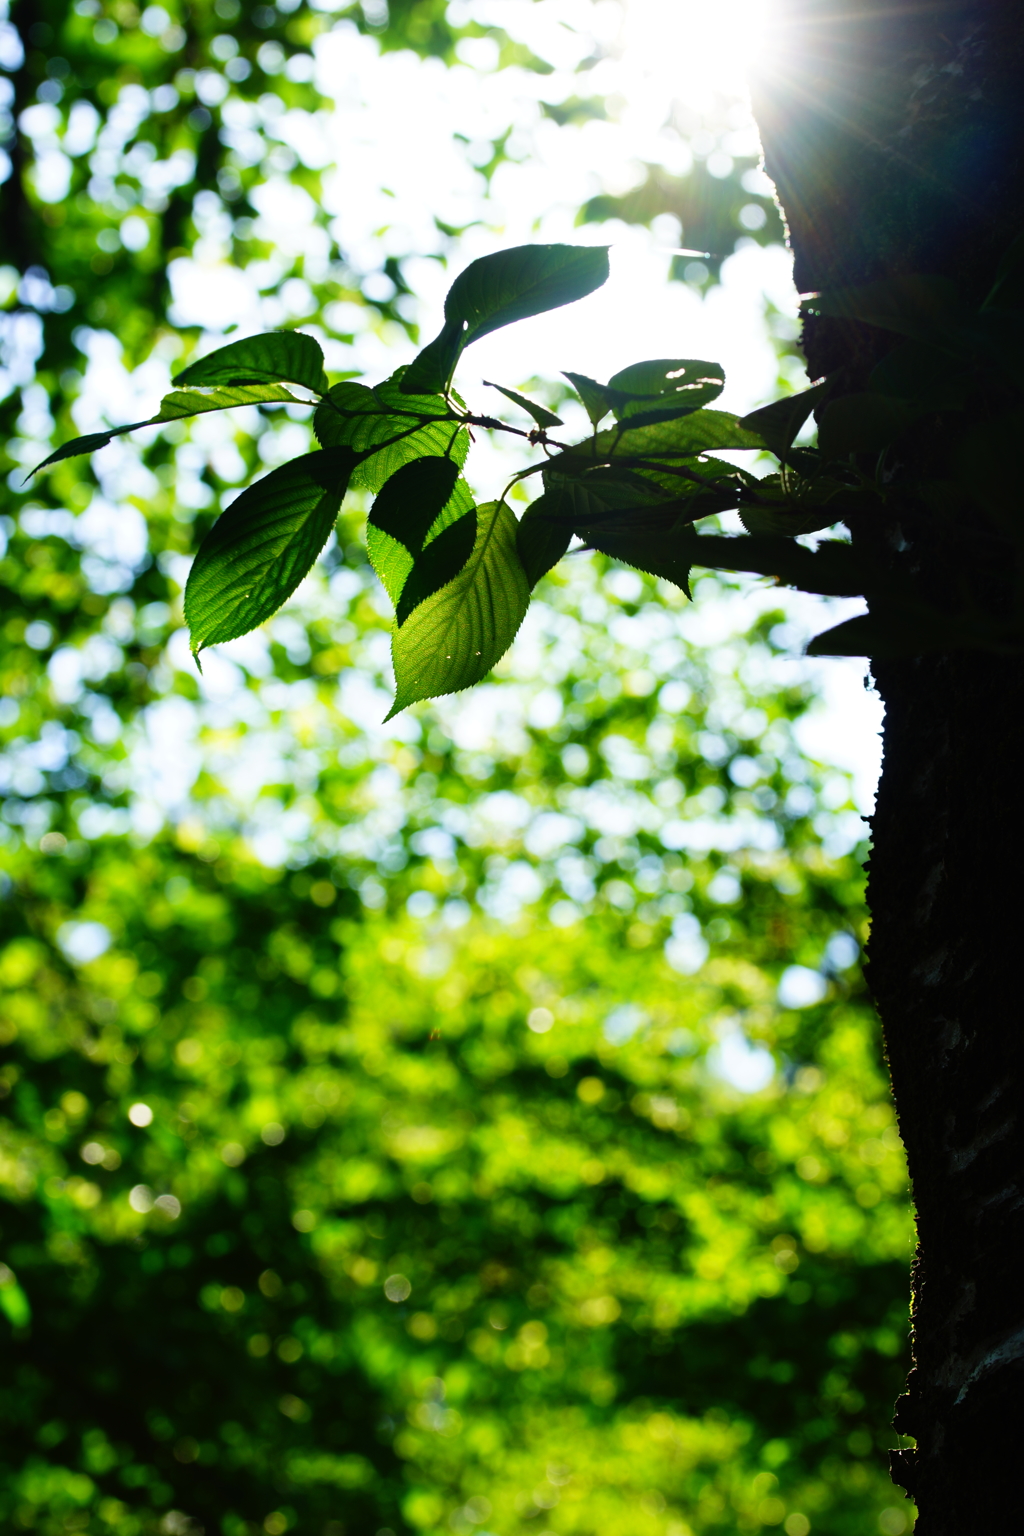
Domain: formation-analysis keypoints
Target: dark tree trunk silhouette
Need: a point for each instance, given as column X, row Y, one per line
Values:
column 895, row 135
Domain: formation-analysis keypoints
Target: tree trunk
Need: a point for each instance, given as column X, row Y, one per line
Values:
column 895, row 136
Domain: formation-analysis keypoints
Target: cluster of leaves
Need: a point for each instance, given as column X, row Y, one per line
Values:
column 460, row 575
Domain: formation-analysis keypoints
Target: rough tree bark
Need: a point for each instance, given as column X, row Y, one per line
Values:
column 895, row 136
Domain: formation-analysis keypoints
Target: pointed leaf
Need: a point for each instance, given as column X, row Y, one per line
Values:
column 173, row 407
column 187, row 402
column 648, row 552
column 274, row 357
column 542, row 417
column 780, row 422
column 787, row 523
column 454, row 638
column 431, row 370
column 259, row 550
column 91, row 443
column 789, row 505
column 388, row 429
column 663, row 389
column 542, row 537
column 526, row 280
column 438, row 563
column 411, row 500
column 597, row 402
column 637, row 527
column 669, row 442
column 499, row 289
column 395, row 549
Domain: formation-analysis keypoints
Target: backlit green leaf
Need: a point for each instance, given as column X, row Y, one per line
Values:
column 415, row 506
column 438, row 563
column 431, row 370
column 499, row 289
column 274, row 357
column 647, row 551
column 788, row 505
column 787, row 523
column 780, row 422
column 668, row 442
column 259, row 550
column 542, row 417
column 187, row 402
column 410, row 501
column 388, row 428
column 543, row 536
column 663, row 389
column 454, row 638
column 597, row 402
column 526, row 280
column 91, row 443
column 173, row 407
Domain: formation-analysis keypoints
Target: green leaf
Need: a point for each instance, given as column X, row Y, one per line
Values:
column 438, row 563
column 863, row 423
column 667, row 442
column 663, row 389
column 416, row 505
column 526, row 280
column 788, row 505
column 186, row 402
column 596, row 400
column 91, row 443
column 454, row 638
column 780, row 422
column 411, row 500
column 259, row 550
column 542, row 417
column 388, row 429
column 499, row 289
column 699, row 432
column 648, row 552
column 173, row 407
column 542, row 537
column 628, row 519
column 431, row 370
column 920, row 306
column 274, row 357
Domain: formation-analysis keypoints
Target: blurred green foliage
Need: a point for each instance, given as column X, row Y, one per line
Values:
column 442, row 1201
column 372, row 1152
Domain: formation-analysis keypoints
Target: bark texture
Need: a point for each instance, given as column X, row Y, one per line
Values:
column 895, row 135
